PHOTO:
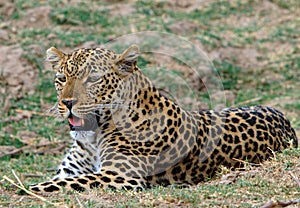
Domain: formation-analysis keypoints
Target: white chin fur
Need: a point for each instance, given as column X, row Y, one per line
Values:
column 77, row 135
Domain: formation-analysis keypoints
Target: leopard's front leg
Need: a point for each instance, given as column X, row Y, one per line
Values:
column 105, row 179
column 86, row 167
column 82, row 158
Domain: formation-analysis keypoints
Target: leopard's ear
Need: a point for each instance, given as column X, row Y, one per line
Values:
column 54, row 55
column 127, row 60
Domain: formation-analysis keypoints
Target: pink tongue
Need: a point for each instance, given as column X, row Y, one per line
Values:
column 75, row 121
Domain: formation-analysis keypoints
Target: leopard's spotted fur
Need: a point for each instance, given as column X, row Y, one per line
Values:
column 127, row 135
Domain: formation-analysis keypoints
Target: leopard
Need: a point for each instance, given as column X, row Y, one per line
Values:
column 127, row 135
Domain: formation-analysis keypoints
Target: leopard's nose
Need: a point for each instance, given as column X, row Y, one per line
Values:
column 69, row 103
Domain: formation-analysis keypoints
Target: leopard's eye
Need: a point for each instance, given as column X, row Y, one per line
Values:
column 93, row 79
column 61, row 78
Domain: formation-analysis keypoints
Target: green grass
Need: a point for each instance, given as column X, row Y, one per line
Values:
column 272, row 80
column 229, row 73
column 250, row 188
column 80, row 14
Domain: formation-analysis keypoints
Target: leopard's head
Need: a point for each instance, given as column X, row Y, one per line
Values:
column 88, row 83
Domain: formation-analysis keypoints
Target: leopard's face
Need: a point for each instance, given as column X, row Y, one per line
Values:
column 87, row 82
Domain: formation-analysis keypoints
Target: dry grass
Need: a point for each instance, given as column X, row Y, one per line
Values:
column 274, row 181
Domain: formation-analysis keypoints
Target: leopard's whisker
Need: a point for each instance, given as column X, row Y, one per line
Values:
column 111, row 106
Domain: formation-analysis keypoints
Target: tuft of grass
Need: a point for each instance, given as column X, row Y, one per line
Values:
column 229, row 73
column 290, row 4
column 80, row 14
